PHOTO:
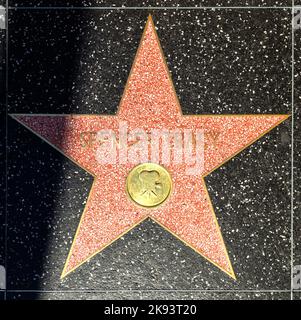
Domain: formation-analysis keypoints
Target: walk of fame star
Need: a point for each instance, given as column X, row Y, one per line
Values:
column 149, row 101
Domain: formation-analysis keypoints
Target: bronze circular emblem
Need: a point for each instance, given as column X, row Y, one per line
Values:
column 148, row 184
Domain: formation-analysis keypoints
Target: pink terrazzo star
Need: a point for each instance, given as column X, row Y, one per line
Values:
column 149, row 102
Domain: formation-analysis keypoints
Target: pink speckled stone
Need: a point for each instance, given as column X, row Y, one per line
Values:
column 149, row 102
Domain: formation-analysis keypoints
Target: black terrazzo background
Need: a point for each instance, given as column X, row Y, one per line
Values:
column 297, row 295
column 234, row 61
column 151, row 3
column 2, row 147
column 163, row 295
column 91, row 52
column 297, row 150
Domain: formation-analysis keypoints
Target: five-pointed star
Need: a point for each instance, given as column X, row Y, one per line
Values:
column 149, row 101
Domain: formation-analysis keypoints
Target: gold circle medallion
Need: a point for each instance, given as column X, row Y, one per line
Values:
column 148, row 184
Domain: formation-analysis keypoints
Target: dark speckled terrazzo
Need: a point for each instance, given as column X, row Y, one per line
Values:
column 297, row 296
column 2, row 148
column 158, row 295
column 89, row 55
column 77, row 61
column 297, row 153
column 152, row 3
